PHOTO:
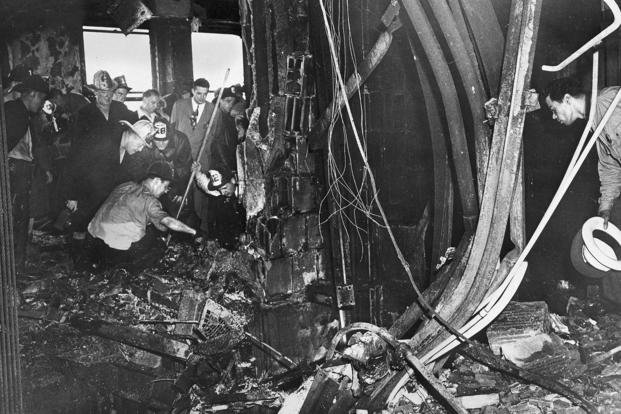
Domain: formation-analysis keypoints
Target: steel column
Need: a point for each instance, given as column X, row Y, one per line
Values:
column 10, row 373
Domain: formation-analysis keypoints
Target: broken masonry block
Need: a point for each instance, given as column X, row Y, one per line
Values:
column 524, row 408
column 472, row 402
column 555, row 360
column 279, row 194
column 142, row 358
column 320, row 292
column 269, row 234
column 304, row 269
column 304, row 160
column 519, row 320
column 321, row 394
column 569, row 410
column 322, row 263
column 303, row 194
column 294, row 234
column 278, row 277
column 313, row 227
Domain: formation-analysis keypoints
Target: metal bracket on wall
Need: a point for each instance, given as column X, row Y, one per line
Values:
column 345, row 296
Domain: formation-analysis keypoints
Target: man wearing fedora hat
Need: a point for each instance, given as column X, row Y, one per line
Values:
column 24, row 152
column 120, row 224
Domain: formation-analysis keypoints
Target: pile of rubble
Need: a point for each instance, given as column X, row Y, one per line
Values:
column 176, row 334
column 579, row 353
column 178, row 323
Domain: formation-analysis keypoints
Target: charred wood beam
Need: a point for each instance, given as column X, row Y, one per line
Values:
column 472, row 84
column 502, row 174
column 156, row 344
column 10, row 370
column 450, row 101
column 390, row 19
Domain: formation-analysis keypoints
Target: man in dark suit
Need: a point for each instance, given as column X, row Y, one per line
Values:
column 96, row 135
column 191, row 116
column 25, row 149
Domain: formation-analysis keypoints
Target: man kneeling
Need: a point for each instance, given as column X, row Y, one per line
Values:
column 121, row 221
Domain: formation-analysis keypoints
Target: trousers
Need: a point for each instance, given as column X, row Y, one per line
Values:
column 20, row 178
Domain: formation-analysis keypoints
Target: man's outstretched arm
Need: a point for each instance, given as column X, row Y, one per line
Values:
column 176, row 225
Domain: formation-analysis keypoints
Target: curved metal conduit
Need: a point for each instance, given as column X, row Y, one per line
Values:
column 498, row 299
column 473, row 85
column 452, row 111
column 511, row 283
column 495, row 302
column 446, row 84
column 498, row 191
column 597, row 39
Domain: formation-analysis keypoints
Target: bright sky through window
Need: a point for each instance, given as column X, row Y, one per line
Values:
column 110, row 50
column 212, row 53
column 119, row 55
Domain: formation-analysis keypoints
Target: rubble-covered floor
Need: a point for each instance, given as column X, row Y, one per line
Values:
column 77, row 358
column 73, row 325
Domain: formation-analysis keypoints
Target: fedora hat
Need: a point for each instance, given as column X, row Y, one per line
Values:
column 595, row 251
column 102, row 82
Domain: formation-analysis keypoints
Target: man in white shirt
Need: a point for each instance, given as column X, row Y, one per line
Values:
column 148, row 108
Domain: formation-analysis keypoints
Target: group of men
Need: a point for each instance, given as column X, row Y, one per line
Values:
column 125, row 169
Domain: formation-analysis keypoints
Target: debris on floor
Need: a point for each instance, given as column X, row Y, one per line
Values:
column 176, row 335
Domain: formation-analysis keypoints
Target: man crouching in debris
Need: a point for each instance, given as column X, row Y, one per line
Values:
column 120, row 225
column 568, row 103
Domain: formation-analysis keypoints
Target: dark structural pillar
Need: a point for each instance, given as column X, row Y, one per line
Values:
column 171, row 53
column 10, row 373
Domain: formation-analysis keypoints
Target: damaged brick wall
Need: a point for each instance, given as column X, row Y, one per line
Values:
column 282, row 178
column 282, row 187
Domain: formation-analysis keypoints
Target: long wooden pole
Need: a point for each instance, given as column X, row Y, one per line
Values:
column 204, row 143
column 201, row 149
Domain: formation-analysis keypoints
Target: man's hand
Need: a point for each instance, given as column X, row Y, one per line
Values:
column 72, row 205
column 49, row 177
column 196, row 167
column 605, row 214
